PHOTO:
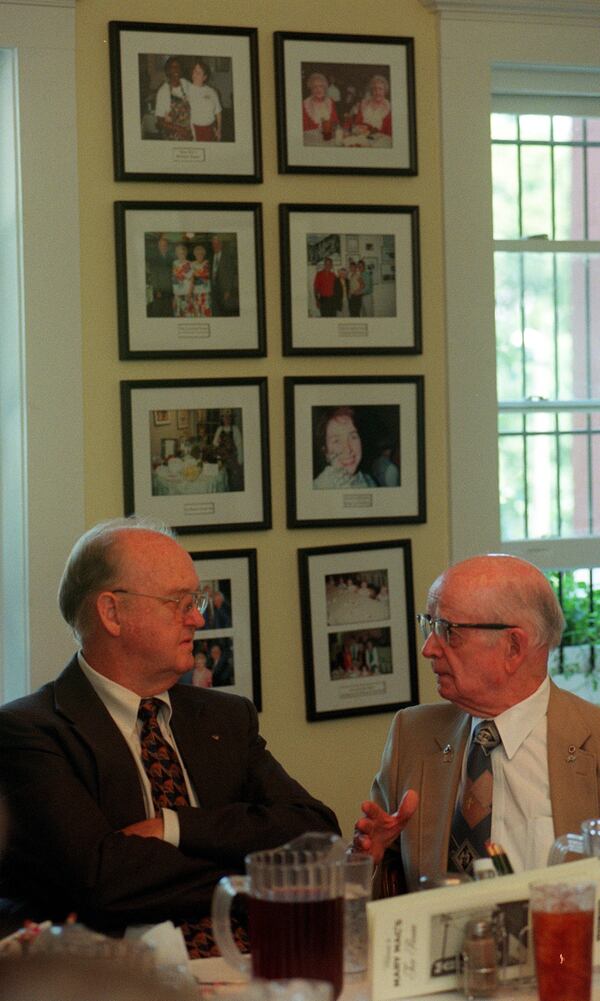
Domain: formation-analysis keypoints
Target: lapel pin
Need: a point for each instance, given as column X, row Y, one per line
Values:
column 215, row 736
column 571, row 755
column 447, row 753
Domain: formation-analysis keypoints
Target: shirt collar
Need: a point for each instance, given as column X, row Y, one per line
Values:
column 122, row 703
column 515, row 724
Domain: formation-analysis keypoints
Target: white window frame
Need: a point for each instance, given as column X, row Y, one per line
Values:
column 476, row 36
column 41, row 404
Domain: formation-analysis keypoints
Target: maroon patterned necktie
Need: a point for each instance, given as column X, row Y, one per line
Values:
column 168, row 788
column 472, row 821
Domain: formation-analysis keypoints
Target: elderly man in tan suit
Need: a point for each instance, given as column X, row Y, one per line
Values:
column 490, row 624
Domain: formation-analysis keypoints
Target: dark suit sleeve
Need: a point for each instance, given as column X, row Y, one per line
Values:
column 255, row 804
column 64, row 852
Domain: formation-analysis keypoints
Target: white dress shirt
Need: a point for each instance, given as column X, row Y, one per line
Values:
column 521, row 811
column 123, row 706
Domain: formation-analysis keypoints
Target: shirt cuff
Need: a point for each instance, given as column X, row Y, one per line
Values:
column 171, row 827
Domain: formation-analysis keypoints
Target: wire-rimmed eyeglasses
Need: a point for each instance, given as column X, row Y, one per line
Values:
column 186, row 603
column 442, row 628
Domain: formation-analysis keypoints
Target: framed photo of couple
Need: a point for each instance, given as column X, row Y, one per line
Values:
column 190, row 279
column 358, row 629
column 184, row 102
column 226, row 649
column 356, row 452
column 196, row 452
column 350, row 279
column 345, row 104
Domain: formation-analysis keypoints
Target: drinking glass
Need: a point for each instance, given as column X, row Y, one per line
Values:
column 358, row 872
column 562, row 916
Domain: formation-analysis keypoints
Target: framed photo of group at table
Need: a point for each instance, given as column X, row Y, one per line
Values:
column 184, row 102
column 350, row 279
column 190, row 280
column 356, row 450
column 196, row 452
column 227, row 647
column 358, row 629
column 345, row 104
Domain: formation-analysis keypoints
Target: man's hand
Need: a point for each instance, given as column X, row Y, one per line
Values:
column 377, row 830
column 152, row 828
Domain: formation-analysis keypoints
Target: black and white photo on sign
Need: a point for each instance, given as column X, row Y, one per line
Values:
column 226, row 647
column 189, row 279
column 356, row 450
column 350, row 279
column 185, row 102
column 358, row 628
column 345, row 104
column 204, row 463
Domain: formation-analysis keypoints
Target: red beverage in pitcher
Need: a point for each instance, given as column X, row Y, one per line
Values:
column 298, row 939
column 562, row 944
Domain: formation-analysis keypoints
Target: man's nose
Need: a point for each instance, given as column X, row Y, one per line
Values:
column 431, row 647
column 197, row 616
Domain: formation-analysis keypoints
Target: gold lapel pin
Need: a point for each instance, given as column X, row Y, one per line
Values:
column 215, row 736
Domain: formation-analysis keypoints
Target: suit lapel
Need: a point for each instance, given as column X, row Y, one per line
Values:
column 118, row 789
column 426, row 843
column 571, row 768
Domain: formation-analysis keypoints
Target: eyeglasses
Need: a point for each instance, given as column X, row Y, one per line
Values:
column 186, row 603
column 441, row 627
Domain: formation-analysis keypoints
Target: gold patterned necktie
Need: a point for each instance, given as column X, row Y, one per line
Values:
column 168, row 787
column 472, row 821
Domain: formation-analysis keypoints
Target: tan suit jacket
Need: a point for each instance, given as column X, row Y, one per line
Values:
column 424, row 751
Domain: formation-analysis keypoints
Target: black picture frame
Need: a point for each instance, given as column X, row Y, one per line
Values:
column 215, row 476
column 359, row 645
column 229, row 580
column 370, row 132
column 355, row 450
column 172, row 146
column 228, row 320
column 379, row 246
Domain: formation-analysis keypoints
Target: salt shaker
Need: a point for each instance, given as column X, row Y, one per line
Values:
column 480, row 972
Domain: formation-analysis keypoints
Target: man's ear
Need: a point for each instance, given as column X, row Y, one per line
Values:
column 108, row 612
column 518, row 647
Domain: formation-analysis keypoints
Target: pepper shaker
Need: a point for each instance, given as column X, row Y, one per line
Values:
column 480, row 972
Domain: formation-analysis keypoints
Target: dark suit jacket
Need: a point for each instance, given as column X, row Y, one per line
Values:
column 226, row 281
column 424, row 751
column 71, row 784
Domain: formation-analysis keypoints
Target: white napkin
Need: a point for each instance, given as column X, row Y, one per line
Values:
column 166, row 940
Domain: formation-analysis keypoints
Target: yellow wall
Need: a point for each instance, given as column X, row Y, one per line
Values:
column 335, row 759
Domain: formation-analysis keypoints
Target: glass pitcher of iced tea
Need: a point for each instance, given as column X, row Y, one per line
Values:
column 295, row 910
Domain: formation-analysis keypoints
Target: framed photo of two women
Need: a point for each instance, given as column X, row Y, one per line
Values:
column 184, row 102
column 345, row 104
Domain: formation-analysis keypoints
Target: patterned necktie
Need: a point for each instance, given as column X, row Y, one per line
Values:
column 472, row 821
column 168, row 788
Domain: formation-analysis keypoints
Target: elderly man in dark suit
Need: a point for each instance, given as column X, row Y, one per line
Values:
column 78, row 758
column 224, row 278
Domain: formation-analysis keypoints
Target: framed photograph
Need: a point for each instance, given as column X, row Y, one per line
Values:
column 345, row 104
column 358, row 629
column 356, row 451
column 213, row 475
column 190, row 279
column 227, row 648
column 350, row 279
column 185, row 102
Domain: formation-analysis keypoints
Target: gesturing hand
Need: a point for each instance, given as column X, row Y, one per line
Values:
column 377, row 830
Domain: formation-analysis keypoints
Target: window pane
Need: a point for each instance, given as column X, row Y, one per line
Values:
column 506, row 192
column 504, row 126
column 593, row 192
column 536, row 127
column 568, row 178
column 512, row 488
column 537, row 191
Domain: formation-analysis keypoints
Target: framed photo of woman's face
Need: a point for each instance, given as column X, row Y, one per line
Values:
column 226, row 649
column 213, row 475
column 190, row 279
column 350, row 279
column 358, row 629
column 184, row 102
column 345, row 104
column 356, row 453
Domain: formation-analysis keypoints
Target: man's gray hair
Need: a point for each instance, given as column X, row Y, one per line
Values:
column 535, row 605
column 93, row 565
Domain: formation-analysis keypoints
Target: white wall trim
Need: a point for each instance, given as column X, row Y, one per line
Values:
column 46, row 325
column 539, row 10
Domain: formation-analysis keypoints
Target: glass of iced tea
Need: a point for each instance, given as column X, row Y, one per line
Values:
column 562, row 918
column 295, row 910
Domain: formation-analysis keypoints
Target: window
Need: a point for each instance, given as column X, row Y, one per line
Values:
column 524, row 376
